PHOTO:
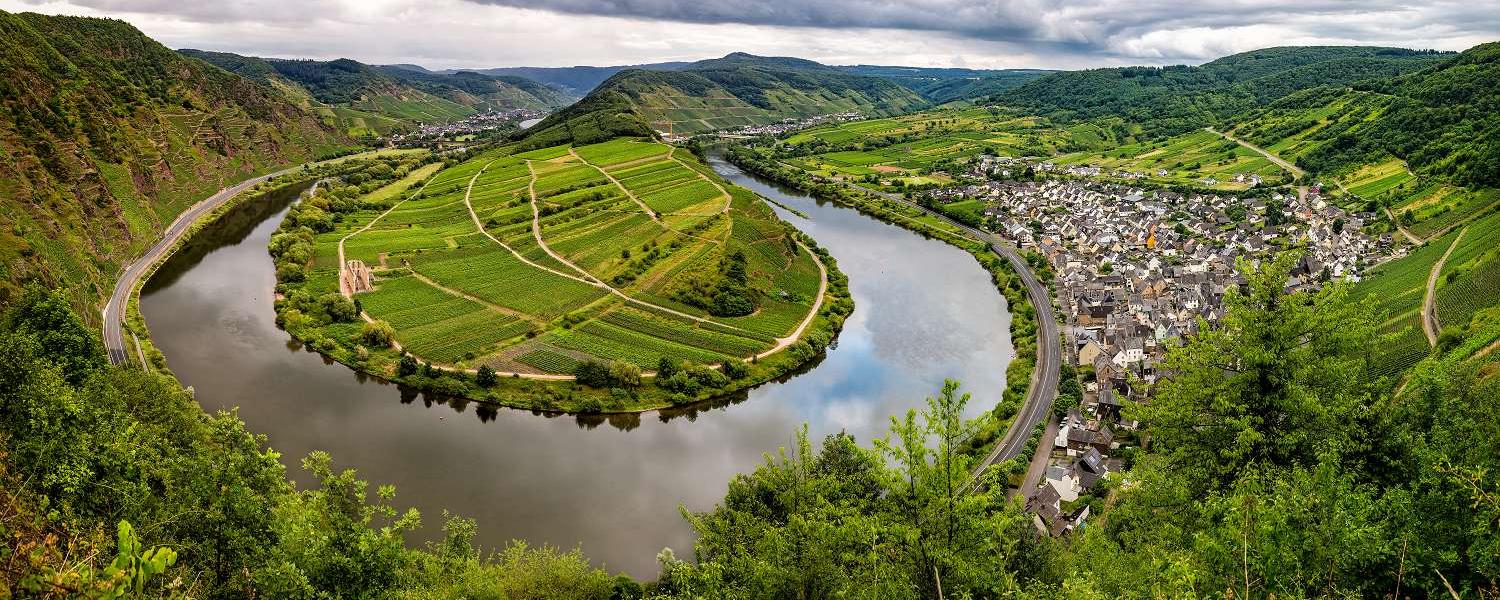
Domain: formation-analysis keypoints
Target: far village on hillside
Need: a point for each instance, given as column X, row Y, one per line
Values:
column 1136, row 268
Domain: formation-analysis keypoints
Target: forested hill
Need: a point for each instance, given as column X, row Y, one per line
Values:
column 948, row 84
column 1443, row 120
column 738, row 89
column 1174, row 99
column 107, row 135
column 366, row 99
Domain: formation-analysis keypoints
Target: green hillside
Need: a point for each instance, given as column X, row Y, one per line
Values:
column 949, row 84
column 736, row 90
column 1176, row 99
column 369, row 100
column 1422, row 144
column 106, row 136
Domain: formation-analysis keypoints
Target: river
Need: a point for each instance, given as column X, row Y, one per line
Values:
column 925, row 311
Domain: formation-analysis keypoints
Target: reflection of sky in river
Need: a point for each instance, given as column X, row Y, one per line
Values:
column 924, row 312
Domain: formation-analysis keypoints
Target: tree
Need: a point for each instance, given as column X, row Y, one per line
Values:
column 486, row 377
column 377, row 333
column 625, row 374
column 48, row 319
column 408, row 366
column 1283, row 375
column 666, row 367
column 593, row 373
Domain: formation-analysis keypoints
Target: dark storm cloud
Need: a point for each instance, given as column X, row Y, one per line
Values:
column 1087, row 26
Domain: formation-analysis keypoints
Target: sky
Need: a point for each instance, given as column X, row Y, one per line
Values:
column 1054, row 34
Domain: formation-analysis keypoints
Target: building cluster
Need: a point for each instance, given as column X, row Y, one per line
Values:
column 1136, row 269
column 476, row 123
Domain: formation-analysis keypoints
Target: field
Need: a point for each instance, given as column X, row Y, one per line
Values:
column 909, row 147
column 1470, row 279
column 1398, row 289
column 534, row 263
column 1189, row 159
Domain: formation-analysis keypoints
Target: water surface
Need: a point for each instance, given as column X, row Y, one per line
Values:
column 925, row 311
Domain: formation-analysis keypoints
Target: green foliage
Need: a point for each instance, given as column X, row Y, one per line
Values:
column 486, row 377
column 109, row 136
column 1176, row 99
column 377, row 334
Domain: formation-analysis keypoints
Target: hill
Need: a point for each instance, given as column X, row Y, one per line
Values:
column 372, row 100
column 578, row 80
column 107, row 135
column 1176, row 99
column 738, row 89
column 942, row 85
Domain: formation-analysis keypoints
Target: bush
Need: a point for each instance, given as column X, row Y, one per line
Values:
column 338, row 308
column 486, row 377
column 408, row 366
column 625, row 374
column 378, row 334
column 593, row 373
column 736, row 369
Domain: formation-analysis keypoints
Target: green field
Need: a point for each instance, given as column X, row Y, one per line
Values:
column 534, row 263
column 1188, row 159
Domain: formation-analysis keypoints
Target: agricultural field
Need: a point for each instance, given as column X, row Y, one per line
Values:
column 1470, row 279
column 536, row 263
column 909, row 147
column 1398, row 289
column 1200, row 158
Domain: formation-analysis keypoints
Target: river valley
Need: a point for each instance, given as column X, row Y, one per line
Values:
column 925, row 311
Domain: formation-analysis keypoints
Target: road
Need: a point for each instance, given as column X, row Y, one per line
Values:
column 1044, row 378
column 114, row 311
column 1430, row 324
column 1289, row 167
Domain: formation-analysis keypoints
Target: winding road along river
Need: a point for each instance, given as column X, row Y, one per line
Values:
column 925, row 311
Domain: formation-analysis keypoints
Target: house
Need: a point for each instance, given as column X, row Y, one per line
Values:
column 1081, row 439
column 1090, row 351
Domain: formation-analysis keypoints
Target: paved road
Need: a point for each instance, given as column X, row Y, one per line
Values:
column 1044, row 378
column 113, row 313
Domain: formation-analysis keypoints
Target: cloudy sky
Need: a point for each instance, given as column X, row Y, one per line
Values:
column 973, row 33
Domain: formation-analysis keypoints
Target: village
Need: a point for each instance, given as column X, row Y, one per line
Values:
column 472, row 124
column 1134, row 270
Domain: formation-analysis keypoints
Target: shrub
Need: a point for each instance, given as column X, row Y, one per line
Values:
column 625, row 374
column 593, row 373
column 486, row 377
column 378, row 334
column 736, row 369
column 407, row 367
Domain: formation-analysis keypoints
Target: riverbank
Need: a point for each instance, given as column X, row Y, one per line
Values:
column 1020, row 373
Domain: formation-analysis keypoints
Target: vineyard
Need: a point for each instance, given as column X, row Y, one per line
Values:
column 537, row 262
column 1470, row 280
column 1398, row 290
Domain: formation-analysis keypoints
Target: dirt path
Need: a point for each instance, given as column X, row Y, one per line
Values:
column 782, row 343
column 611, row 178
column 1430, row 324
column 343, row 265
column 481, row 301
column 1288, row 167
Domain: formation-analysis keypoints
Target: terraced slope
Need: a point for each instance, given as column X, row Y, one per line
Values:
column 106, row 136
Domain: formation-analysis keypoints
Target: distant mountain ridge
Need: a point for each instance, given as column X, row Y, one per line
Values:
column 368, row 100
column 735, row 90
column 108, row 136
